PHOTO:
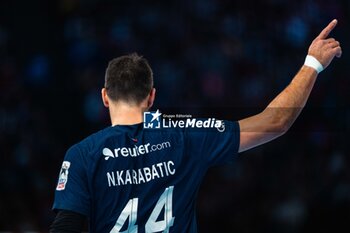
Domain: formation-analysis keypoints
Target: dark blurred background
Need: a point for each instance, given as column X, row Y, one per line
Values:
column 214, row 54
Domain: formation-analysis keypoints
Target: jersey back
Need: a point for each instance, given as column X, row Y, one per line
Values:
column 130, row 179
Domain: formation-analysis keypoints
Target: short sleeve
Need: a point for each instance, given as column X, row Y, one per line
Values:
column 72, row 192
column 216, row 146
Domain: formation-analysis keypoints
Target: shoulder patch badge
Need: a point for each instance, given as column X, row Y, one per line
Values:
column 63, row 177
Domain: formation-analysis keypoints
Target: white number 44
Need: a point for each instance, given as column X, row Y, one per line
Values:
column 152, row 225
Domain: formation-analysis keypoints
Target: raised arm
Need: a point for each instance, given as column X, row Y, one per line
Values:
column 280, row 114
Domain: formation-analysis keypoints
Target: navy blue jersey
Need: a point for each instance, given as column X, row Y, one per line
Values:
column 131, row 179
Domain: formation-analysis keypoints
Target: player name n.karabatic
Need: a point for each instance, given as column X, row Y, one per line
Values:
column 141, row 175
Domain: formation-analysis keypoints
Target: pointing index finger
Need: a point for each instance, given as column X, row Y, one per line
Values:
column 325, row 32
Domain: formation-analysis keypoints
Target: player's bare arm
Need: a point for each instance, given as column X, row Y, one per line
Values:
column 280, row 114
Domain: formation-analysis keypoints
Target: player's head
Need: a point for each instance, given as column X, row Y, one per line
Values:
column 129, row 79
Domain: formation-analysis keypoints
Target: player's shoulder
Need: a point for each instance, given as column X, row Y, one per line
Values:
column 91, row 142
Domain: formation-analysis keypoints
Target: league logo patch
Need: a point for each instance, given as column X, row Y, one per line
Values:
column 63, row 177
column 151, row 120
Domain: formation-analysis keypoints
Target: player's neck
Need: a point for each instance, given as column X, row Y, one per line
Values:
column 124, row 114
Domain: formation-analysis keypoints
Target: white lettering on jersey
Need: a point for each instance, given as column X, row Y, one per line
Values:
column 135, row 151
column 141, row 175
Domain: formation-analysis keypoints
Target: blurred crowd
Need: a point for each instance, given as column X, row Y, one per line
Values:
column 215, row 54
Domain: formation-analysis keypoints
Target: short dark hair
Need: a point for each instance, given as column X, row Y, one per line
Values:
column 129, row 78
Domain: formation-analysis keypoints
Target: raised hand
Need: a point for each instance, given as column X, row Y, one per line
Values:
column 325, row 49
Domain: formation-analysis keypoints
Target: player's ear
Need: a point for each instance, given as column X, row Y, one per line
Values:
column 151, row 97
column 105, row 97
